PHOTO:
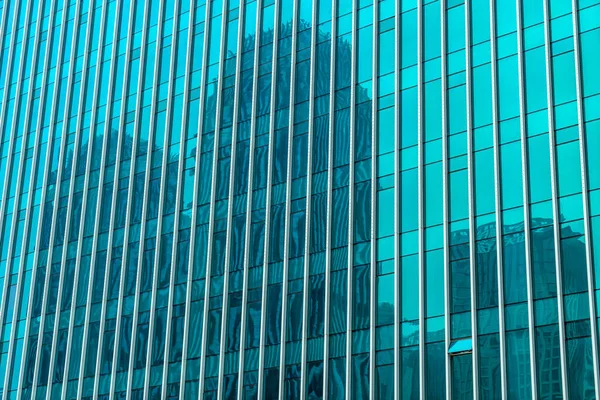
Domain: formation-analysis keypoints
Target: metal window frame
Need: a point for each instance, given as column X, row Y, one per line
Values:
column 11, row 151
column 63, row 158
column 421, row 201
column 373, row 389
column 69, row 215
column 230, row 200
column 397, row 201
column 3, row 110
column 84, row 348
column 178, row 195
column 555, row 210
column 331, row 130
column 11, row 144
column 471, row 194
column 51, row 139
column 143, row 221
column 211, row 223
column 526, row 210
column 70, row 211
column 288, row 202
column 263, row 312
column 61, row 162
column 5, row 12
column 309, row 175
column 162, row 190
column 248, row 222
column 585, row 198
column 28, row 210
column 498, row 198
column 446, row 203
column 350, row 267
column 27, row 231
column 114, row 192
column 130, row 184
column 189, row 282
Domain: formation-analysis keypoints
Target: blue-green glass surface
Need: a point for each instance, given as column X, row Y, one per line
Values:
column 310, row 199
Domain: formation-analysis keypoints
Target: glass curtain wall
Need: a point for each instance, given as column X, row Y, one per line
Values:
column 273, row 199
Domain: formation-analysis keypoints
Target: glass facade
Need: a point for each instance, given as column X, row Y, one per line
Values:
column 262, row 199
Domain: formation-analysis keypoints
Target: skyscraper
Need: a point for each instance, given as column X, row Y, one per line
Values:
column 261, row 199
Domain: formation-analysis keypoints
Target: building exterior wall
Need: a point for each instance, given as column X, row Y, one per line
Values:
column 299, row 199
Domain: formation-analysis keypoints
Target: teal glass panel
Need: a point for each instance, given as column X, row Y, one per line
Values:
column 165, row 165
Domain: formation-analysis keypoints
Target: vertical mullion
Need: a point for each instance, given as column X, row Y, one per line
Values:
column 230, row 200
column 179, row 190
column 211, row 223
column 47, row 170
column 445, row 202
column 585, row 199
column 497, row 199
column 555, row 210
column 288, row 201
column 307, row 241
column 265, row 281
column 526, row 210
column 163, row 184
column 350, row 282
column 32, row 183
column 373, row 388
column 471, row 190
column 397, row 202
column 328, row 228
column 248, row 222
column 190, row 275
column 420, row 199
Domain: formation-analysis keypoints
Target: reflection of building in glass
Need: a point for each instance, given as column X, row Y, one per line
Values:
column 305, row 199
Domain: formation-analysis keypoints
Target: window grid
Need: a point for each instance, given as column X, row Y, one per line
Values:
column 14, row 378
column 12, row 247
column 105, row 357
column 59, row 197
column 233, row 199
column 5, row 222
column 74, row 215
